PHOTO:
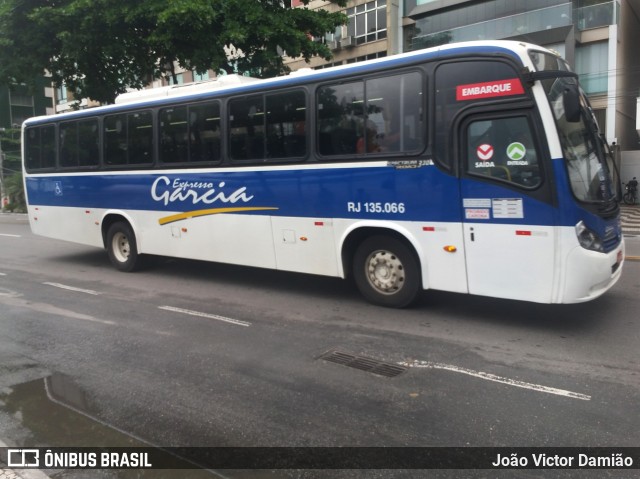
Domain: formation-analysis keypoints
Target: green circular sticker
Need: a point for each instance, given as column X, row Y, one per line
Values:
column 516, row 151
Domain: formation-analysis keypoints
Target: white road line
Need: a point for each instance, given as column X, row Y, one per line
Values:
column 498, row 379
column 73, row 288
column 10, row 236
column 3, row 274
column 237, row 322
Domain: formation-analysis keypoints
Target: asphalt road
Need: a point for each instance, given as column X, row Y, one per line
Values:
column 188, row 353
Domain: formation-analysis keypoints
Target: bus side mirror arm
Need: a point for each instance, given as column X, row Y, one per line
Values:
column 571, row 95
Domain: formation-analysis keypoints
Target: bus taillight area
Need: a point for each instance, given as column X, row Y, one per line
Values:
column 593, row 273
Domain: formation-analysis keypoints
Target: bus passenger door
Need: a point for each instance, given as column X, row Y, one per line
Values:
column 507, row 213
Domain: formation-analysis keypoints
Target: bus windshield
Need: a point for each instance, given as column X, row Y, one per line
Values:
column 584, row 150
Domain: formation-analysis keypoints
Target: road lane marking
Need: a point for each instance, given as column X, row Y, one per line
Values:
column 497, row 379
column 10, row 235
column 73, row 288
column 51, row 310
column 237, row 322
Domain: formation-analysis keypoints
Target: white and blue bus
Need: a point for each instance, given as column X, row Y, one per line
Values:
column 473, row 168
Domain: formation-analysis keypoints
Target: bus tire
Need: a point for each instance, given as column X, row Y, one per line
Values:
column 386, row 272
column 122, row 247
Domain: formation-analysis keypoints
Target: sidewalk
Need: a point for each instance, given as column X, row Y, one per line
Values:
column 630, row 216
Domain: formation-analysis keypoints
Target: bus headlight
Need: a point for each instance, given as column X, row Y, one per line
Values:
column 587, row 238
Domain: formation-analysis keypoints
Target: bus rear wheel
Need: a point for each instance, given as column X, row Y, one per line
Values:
column 386, row 272
column 122, row 247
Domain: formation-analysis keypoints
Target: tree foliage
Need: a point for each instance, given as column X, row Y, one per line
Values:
column 12, row 169
column 99, row 48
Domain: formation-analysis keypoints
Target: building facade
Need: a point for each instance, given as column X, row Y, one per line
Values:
column 597, row 37
column 17, row 103
column 373, row 31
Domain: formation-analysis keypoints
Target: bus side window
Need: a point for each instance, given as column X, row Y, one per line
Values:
column 115, row 140
column 140, row 144
column 33, row 149
column 394, row 106
column 174, row 145
column 340, row 118
column 68, row 141
column 246, row 128
column 48, row 146
column 286, row 125
column 204, row 132
column 88, row 143
column 503, row 148
column 40, row 148
column 79, row 143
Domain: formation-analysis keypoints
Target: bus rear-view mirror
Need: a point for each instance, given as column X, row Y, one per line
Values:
column 571, row 100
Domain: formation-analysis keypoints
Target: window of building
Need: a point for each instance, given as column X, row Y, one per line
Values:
column 371, row 56
column 592, row 64
column 368, row 22
column 178, row 80
column 61, row 94
column 200, row 76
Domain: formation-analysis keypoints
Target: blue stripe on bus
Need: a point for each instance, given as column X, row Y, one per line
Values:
column 421, row 194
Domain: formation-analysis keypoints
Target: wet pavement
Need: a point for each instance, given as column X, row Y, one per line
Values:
column 39, row 407
column 53, row 410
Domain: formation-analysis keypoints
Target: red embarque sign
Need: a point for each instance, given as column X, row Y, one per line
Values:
column 475, row 91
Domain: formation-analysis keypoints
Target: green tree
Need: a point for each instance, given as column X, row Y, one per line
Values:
column 12, row 169
column 98, row 48
column 14, row 189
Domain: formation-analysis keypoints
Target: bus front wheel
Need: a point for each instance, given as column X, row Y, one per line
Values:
column 122, row 248
column 386, row 272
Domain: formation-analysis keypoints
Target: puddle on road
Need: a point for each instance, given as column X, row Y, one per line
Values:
column 56, row 413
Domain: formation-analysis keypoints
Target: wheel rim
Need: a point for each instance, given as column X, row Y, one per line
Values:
column 121, row 248
column 385, row 272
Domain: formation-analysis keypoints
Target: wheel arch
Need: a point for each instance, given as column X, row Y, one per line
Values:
column 359, row 232
column 112, row 217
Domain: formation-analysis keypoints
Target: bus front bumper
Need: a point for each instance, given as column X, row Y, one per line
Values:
column 590, row 274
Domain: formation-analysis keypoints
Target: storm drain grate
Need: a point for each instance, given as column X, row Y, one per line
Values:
column 362, row 363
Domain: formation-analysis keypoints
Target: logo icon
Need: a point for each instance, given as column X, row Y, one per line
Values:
column 23, row 457
column 57, row 188
column 516, row 151
column 485, row 152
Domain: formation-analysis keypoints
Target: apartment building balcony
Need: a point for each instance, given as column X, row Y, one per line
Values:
column 597, row 16
column 498, row 28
